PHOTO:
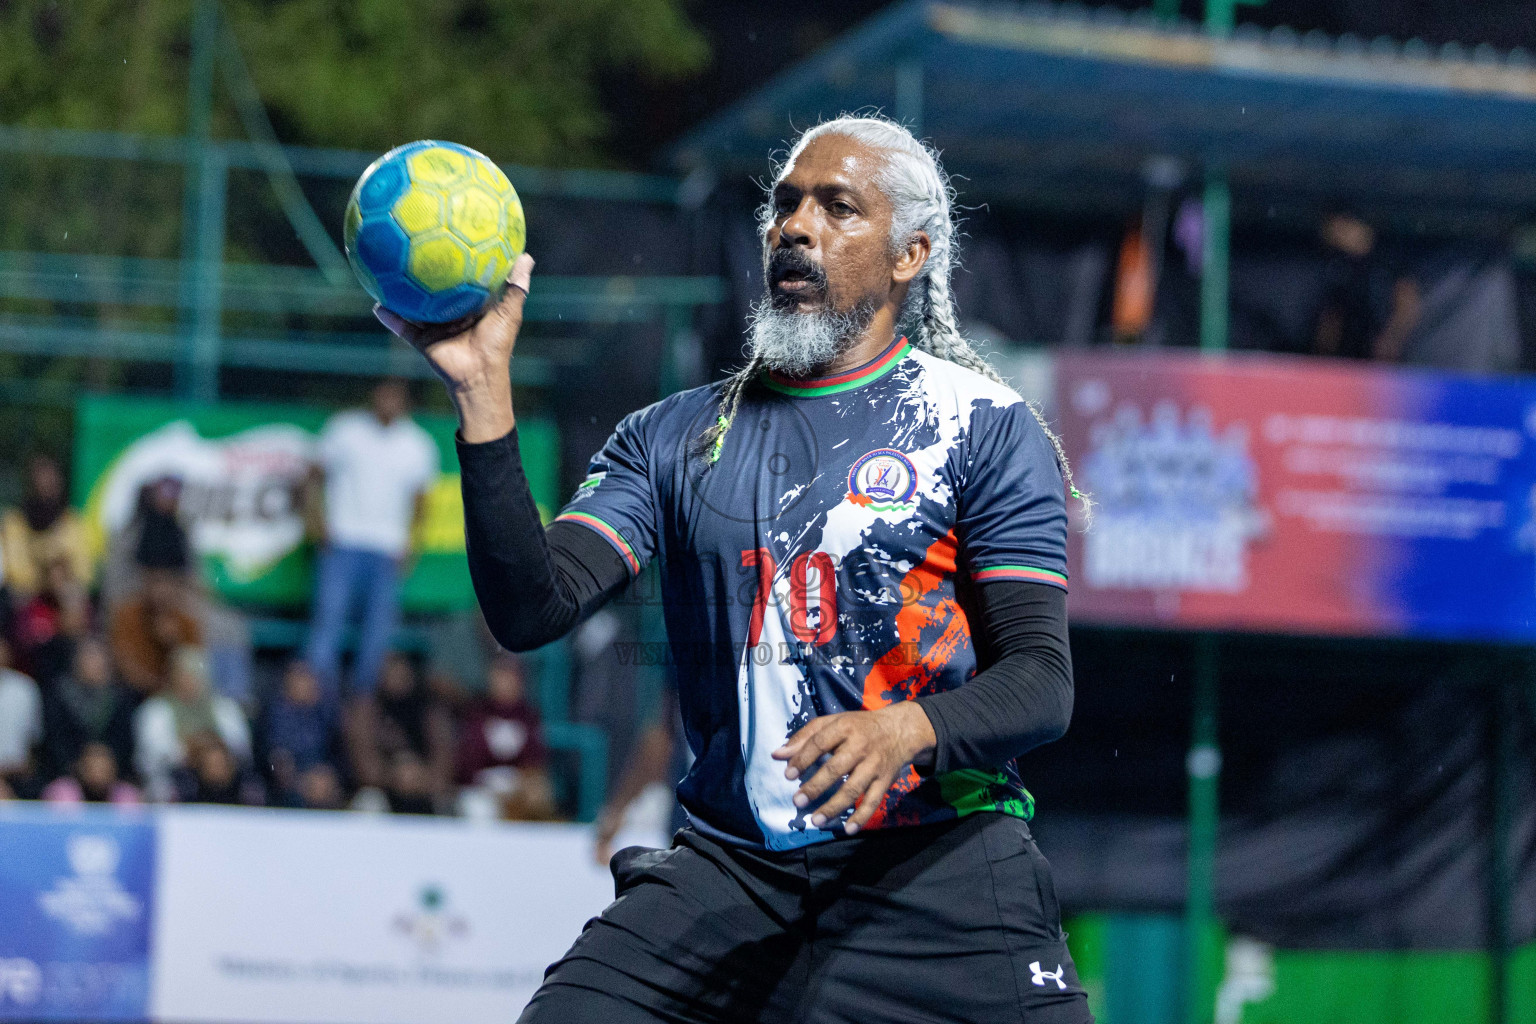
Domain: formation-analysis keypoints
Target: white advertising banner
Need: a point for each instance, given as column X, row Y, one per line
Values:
column 313, row 918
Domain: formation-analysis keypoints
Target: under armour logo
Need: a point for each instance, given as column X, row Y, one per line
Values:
column 1041, row 976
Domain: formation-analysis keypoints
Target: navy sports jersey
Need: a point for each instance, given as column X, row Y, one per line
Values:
column 821, row 565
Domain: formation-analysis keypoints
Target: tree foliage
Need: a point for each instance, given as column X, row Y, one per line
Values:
column 516, row 78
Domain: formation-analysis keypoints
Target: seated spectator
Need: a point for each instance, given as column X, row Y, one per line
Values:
column 92, row 780
column 411, row 785
column 400, row 716
column 165, row 723
column 48, row 625
column 300, row 730
column 87, row 705
column 501, row 747
column 213, row 775
column 318, row 789
column 41, row 532
column 148, row 626
column 21, row 729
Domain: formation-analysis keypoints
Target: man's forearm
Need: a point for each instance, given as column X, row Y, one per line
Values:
column 484, row 406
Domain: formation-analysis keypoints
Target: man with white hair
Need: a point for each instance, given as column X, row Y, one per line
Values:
column 862, row 541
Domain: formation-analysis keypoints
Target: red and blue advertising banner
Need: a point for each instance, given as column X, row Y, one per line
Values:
column 1280, row 494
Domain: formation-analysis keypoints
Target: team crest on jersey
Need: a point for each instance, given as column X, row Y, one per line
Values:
column 883, row 480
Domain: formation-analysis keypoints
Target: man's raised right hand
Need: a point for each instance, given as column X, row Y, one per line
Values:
column 472, row 356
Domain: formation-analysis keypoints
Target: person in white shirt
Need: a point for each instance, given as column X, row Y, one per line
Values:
column 21, row 724
column 376, row 466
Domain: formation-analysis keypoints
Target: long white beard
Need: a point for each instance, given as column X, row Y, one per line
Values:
column 797, row 343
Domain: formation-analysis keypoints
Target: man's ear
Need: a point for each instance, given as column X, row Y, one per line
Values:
column 909, row 263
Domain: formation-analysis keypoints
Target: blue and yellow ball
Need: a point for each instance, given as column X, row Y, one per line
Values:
column 432, row 230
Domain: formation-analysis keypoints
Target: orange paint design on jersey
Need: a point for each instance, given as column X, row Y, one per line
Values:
column 893, row 678
column 860, row 499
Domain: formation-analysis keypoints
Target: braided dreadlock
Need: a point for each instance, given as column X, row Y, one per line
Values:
column 921, row 198
column 712, row 440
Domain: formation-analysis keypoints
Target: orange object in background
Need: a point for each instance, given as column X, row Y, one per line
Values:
column 1134, row 287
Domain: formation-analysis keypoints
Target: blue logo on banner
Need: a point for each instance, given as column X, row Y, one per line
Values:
column 78, row 894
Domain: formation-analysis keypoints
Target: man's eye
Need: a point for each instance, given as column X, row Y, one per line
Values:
column 840, row 209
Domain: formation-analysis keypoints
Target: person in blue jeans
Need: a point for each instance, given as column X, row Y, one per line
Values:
column 374, row 467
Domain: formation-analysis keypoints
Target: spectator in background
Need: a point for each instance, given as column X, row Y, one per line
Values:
column 41, row 532
column 161, row 541
column 300, row 732
column 501, row 745
column 7, row 602
column 49, row 624
column 87, row 706
column 1368, row 308
column 21, row 729
column 318, row 789
column 155, row 537
column 412, row 788
column 150, row 625
column 401, row 717
column 374, row 469
column 156, row 514
column 166, row 723
column 213, row 774
column 93, row 779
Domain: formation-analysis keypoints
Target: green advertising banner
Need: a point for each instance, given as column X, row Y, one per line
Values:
column 242, row 467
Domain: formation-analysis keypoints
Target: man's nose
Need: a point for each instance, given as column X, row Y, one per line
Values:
column 798, row 228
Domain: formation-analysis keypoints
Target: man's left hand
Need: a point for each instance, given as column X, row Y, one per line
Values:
column 865, row 750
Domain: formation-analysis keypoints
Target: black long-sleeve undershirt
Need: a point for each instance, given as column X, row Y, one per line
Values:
column 536, row 584
column 1023, row 697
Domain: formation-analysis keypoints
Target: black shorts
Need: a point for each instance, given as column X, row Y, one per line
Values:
column 950, row 922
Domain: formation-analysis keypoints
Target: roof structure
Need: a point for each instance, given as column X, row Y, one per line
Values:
column 1062, row 107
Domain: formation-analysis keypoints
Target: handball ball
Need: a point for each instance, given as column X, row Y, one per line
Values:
column 432, row 230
